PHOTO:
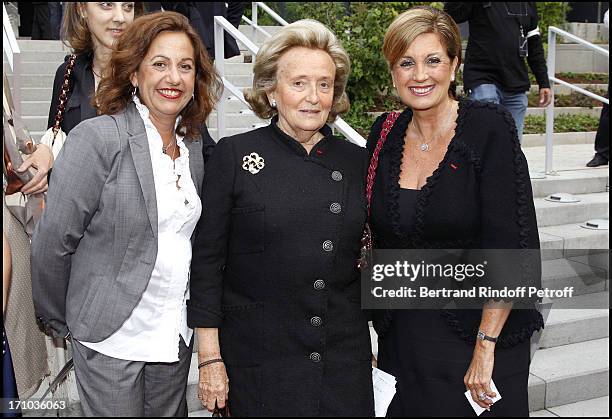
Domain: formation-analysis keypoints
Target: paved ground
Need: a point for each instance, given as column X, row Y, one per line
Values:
column 565, row 157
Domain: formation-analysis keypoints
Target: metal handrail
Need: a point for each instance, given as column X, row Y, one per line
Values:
column 550, row 109
column 255, row 27
column 221, row 25
column 13, row 54
column 9, row 40
column 254, row 10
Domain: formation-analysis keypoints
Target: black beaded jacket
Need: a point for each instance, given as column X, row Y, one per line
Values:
column 479, row 197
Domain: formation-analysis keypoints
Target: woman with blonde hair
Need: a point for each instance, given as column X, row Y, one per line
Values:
column 275, row 291
column 449, row 174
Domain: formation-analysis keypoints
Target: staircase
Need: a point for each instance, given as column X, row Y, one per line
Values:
column 569, row 372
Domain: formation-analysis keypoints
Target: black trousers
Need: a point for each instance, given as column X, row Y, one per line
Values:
column 41, row 24
column 602, row 138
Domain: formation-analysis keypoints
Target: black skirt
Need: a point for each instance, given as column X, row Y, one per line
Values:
column 429, row 362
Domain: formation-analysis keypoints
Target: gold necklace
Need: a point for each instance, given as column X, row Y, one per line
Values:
column 424, row 147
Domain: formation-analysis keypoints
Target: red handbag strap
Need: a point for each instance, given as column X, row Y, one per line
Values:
column 386, row 128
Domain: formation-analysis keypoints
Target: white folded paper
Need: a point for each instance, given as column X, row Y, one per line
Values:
column 475, row 406
column 384, row 390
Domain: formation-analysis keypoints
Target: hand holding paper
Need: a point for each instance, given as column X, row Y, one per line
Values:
column 475, row 405
column 384, row 390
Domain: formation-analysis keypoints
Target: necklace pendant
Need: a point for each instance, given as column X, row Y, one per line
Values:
column 424, row 147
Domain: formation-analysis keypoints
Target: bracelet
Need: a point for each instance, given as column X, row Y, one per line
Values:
column 212, row 361
column 483, row 336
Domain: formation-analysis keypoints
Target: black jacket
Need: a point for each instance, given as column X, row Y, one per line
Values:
column 479, row 198
column 492, row 55
column 201, row 16
column 80, row 92
column 274, row 268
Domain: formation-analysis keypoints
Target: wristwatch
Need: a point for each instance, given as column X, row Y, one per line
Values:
column 482, row 336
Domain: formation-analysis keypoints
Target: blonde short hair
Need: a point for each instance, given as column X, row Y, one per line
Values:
column 417, row 21
column 303, row 33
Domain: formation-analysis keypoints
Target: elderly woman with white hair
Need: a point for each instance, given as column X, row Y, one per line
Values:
column 275, row 292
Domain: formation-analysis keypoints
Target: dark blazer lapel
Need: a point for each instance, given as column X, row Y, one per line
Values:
column 139, row 146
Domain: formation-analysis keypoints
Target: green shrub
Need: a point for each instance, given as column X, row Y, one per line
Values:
column 551, row 13
column 361, row 27
column 563, row 123
column 574, row 99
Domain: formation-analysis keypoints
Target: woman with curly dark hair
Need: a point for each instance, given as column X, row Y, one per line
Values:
column 111, row 254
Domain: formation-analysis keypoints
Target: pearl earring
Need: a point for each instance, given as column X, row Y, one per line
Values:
column 273, row 103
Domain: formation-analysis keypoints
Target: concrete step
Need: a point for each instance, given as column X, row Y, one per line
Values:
column 568, row 240
column 241, row 81
column 573, row 320
column 35, row 123
column 569, row 110
column 26, row 45
column 43, row 79
column 591, row 206
column 572, row 373
column 598, row 407
column 238, row 69
column 36, row 107
column 236, row 120
column 44, row 57
column 565, row 157
column 559, row 138
column 585, row 275
column 572, row 181
column 36, row 94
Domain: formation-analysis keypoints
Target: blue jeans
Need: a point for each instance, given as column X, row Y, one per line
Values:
column 516, row 103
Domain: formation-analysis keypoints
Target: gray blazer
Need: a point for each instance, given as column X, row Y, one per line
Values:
column 94, row 248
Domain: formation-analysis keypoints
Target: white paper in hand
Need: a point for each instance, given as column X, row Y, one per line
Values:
column 384, row 390
column 475, row 406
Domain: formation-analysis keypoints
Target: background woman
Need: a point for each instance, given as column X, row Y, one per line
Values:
column 28, row 348
column 90, row 29
column 111, row 254
column 450, row 175
column 275, row 290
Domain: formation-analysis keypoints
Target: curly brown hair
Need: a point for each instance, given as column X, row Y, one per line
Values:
column 115, row 89
column 76, row 34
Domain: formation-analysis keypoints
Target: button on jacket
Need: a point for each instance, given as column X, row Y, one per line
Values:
column 275, row 269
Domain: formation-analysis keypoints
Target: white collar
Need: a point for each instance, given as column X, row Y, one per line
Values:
column 144, row 114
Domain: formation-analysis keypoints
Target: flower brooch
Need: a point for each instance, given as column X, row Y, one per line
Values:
column 253, row 163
